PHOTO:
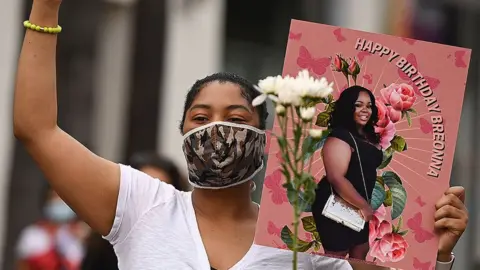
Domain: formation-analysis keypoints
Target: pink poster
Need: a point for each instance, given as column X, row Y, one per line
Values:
column 418, row 89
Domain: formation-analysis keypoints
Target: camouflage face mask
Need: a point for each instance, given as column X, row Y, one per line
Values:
column 222, row 154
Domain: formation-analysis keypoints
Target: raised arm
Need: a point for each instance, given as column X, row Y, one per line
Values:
column 336, row 158
column 88, row 183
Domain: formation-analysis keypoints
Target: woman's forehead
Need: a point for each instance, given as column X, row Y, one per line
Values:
column 220, row 94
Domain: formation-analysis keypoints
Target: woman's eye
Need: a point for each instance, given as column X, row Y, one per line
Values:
column 200, row 118
column 236, row 120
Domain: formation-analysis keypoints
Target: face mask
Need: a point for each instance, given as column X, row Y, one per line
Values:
column 58, row 211
column 222, row 154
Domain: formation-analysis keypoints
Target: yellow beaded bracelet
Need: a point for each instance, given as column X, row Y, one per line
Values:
column 48, row 30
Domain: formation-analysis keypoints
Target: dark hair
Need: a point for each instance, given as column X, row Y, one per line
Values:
column 248, row 92
column 152, row 159
column 342, row 115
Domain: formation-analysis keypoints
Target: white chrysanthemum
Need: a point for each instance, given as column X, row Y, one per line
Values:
column 307, row 114
column 280, row 109
column 315, row 133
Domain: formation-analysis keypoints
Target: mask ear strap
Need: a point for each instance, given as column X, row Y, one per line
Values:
column 253, row 186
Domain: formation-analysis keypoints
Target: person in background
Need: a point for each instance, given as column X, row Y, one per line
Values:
column 100, row 253
column 56, row 241
column 160, row 168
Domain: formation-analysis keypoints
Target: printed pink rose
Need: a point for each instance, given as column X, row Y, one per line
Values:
column 400, row 96
column 391, row 248
column 386, row 134
column 383, row 118
column 337, row 63
column 394, row 115
column 378, row 226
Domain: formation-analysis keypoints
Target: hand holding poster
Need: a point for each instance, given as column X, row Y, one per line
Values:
column 388, row 139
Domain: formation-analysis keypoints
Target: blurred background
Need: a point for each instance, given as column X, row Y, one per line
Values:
column 124, row 67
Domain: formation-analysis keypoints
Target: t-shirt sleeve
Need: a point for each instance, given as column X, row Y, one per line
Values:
column 138, row 194
column 322, row 262
column 343, row 135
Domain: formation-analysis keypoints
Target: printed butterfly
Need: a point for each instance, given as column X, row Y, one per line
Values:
column 409, row 40
column 459, row 61
column 338, row 35
column 425, row 126
column 272, row 229
column 305, row 60
column 368, row 78
column 294, row 36
column 412, row 59
column 283, row 246
column 419, row 201
column 273, row 183
column 418, row 265
column 361, row 55
column 415, row 224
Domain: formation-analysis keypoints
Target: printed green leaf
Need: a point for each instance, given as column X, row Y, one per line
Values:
column 322, row 119
column 403, row 233
column 287, row 238
column 380, row 180
column 399, row 200
column 398, row 143
column 388, row 198
column 390, row 178
column 412, row 110
column 378, row 196
column 309, row 224
column 387, row 158
column 409, row 119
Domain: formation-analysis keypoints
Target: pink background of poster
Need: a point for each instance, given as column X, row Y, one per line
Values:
column 446, row 68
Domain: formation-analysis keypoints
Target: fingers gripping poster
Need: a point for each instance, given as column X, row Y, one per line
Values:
column 418, row 90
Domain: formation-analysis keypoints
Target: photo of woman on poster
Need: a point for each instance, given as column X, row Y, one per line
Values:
column 349, row 175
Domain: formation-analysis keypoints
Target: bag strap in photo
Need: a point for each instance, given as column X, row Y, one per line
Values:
column 361, row 169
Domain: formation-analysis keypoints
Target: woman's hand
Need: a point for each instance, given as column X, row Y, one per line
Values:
column 451, row 219
column 367, row 213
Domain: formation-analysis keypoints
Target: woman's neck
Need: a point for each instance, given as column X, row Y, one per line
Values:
column 229, row 203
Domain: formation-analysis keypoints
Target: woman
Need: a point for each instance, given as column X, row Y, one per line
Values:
column 55, row 242
column 100, row 253
column 352, row 124
column 150, row 224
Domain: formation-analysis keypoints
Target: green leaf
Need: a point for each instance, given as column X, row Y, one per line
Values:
column 399, row 200
column 380, row 180
column 303, row 204
column 403, row 233
column 282, row 142
column 387, row 158
column 311, row 145
column 287, row 238
column 390, row 178
column 317, row 245
column 309, row 224
column 412, row 110
column 409, row 119
column 378, row 196
column 322, row 119
column 398, row 143
column 388, row 198
column 399, row 194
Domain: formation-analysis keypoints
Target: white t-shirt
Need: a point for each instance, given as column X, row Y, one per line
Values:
column 155, row 228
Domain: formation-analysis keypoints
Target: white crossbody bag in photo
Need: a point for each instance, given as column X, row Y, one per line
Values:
column 339, row 210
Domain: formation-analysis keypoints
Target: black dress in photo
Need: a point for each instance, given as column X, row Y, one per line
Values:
column 334, row 236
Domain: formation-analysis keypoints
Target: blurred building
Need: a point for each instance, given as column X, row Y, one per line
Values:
column 126, row 65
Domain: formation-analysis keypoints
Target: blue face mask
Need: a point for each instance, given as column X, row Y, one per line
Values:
column 58, row 211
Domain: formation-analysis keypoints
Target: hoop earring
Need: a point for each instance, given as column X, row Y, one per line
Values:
column 253, row 186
